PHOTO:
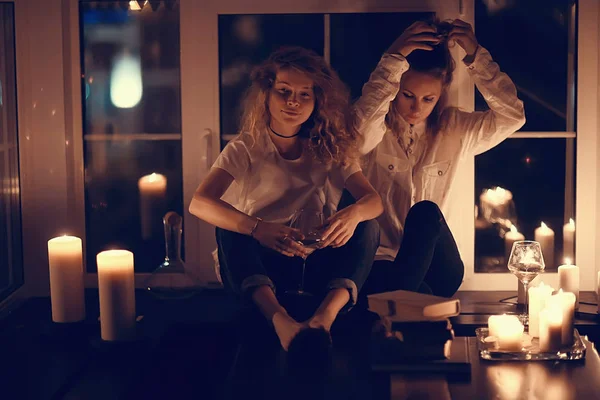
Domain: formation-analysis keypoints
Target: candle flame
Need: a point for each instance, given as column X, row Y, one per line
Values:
column 544, row 226
column 567, row 261
column 514, row 229
column 571, row 223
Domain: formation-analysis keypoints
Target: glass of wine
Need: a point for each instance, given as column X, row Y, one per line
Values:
column 526, row 261
column 308, row 222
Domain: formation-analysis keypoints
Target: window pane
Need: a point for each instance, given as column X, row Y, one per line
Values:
column 529, row 39
column 245, row 41
column 359, row 40
column 132, row 128
column 534, row 171
column 11, row 262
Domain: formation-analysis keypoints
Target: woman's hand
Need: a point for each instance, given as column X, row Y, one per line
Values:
column 280, row 238
column 462, row 33
column 419, row 35
column 340, row 227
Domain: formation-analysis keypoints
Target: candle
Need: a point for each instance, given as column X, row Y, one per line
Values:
column 66, row 279
column 568, row 277
column 538, row 296
column 153, row 190
column 569, row 239
column 550, row 329
column 545, row 236
column 495, row 204
column 494, row 323
column 509, row 333
column 511, row 236
column 117, row 294
column 565, row 301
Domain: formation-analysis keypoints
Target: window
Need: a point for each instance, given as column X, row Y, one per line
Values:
column 529, row 179
column 11, row 262
column 131, row 127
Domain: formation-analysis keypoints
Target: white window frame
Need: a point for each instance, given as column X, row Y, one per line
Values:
column 51, row 144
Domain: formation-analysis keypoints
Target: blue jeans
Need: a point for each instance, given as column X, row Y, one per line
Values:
column 428, row 260
column 246, row 264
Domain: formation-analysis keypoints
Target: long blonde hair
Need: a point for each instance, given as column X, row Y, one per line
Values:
column 437, row 63
column 332, row 138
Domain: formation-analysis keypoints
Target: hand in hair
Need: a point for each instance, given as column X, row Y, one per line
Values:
column 462, row 33
column 418, row 36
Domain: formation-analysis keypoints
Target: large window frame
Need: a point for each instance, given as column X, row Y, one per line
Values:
column 51, row 154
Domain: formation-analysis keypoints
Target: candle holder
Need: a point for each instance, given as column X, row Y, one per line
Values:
column 171, row 280
column 489, row 350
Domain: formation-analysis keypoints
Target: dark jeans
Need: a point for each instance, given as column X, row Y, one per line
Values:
column 428, row 260
column 246, row 264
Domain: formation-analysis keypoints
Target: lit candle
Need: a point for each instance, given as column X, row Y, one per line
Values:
column 510, row 333
column 538, row 296
column 545, row 236
column 550, row 329
column 494, row 323
column 569, row 239
column 153, row 190
column 565, row 301
column 66, row 279
column 509, row 238
column 495, row 203
column 568, row 277
column 117, row 294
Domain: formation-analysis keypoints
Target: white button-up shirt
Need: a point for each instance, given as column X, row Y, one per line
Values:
column 425, row 170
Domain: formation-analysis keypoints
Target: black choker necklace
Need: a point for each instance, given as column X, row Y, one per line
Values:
column 285, row 137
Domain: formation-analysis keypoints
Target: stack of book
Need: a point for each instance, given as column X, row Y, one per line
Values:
column 415, row 333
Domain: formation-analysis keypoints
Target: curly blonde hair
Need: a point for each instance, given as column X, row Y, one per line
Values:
column 437, row 63
column 332, row 138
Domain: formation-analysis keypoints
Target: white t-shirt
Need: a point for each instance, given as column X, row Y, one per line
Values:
column 272, row 188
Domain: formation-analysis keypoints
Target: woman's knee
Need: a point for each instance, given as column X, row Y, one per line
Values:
column 425, row 210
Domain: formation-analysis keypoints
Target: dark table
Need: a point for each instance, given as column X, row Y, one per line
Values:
column 205, row 348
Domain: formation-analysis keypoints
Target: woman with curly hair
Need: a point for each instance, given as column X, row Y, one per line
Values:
column 296, row 150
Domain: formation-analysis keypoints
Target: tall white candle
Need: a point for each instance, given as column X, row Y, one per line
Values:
column 550, row 329
column 545, row 236
column 117, row 294
column 569, row 240
column 66, row 279
column 565, row 301
column 153, row 189
column 568, row 277
column 510, row 333
column 509, row 238
column 538, row 296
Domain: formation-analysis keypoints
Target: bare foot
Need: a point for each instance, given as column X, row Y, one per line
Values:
column 286, row 328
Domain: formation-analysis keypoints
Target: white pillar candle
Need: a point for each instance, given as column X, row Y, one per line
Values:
column 66, row 279
column 510, row 333
column 550, row 329
column 509, row 238
column 117, row 294
column 568, row 277
column 153, row 189
column 569, row 240
column 545, row 236
column 538, row 296
column 565, row 301
column 494, row 323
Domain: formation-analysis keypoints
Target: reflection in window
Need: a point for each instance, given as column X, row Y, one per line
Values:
column 131, row 97
column 11, row 260
column 520, row 184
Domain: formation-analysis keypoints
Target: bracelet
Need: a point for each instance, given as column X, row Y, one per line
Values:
column 255, row 226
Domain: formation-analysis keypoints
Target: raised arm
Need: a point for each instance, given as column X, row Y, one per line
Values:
column 480, row 131
column 383, row 85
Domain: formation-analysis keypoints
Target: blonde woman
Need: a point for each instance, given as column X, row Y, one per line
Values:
column 296, row 151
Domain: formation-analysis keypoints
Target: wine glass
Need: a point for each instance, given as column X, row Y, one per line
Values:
column 526, row 261
column 308, row 222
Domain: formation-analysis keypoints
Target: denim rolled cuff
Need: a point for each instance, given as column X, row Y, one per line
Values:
column 253, row 281
column 346, row 284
